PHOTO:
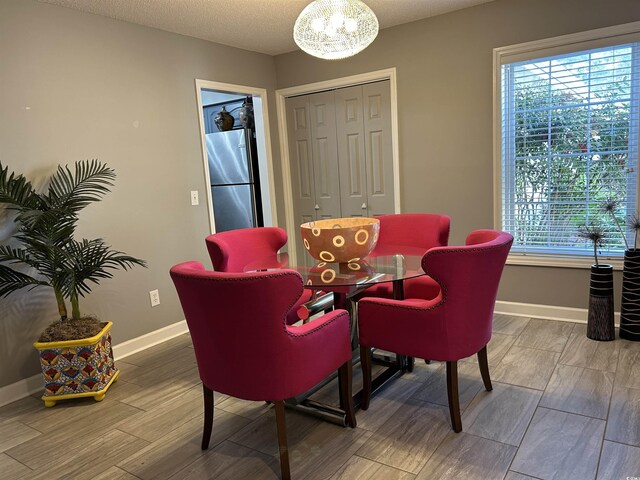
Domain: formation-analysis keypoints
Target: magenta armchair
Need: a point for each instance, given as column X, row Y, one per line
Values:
column 236, row 318
column 420, row 231
column 231, row 251
column 455, row 324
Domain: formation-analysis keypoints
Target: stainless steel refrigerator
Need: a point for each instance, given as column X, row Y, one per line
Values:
column 234, row 180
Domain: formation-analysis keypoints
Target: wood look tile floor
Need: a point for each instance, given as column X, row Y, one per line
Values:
column 563, row 407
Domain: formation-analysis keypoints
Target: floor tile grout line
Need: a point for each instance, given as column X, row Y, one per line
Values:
column 382, row 464
column 622, row 443
column 129, row 473
column 574, row 413
column 392, row 466
column 586, row 368
column 601, row 449
column 525, row 474
column 528, row 425
column 16, row 460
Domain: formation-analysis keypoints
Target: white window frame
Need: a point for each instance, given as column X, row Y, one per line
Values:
column 602, row 37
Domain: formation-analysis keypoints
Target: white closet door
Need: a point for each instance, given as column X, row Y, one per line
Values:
column 378, row 149
column 301, row 159
column 325, row 155
column 350, row 135
column 340, row 153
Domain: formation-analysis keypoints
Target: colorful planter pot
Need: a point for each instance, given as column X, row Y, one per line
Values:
column 77, row 368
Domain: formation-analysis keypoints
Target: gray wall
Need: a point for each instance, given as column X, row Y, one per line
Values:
column 125, row 94
column 445, row 74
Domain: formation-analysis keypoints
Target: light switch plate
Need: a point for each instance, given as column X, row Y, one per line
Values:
column 194, row 198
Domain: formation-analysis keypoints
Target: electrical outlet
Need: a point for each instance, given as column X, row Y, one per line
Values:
column 194, row 198
column 154, row 296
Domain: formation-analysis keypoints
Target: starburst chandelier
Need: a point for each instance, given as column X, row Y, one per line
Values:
column 335, row 29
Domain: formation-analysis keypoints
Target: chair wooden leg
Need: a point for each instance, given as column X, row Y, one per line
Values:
column 208, row 416
column 484, row 368
column 345, row 378
column 410, row 363
column 282, row 440
column 365, row 363
column 452, row 393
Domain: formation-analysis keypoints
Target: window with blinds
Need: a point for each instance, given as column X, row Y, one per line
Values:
column 569, row 145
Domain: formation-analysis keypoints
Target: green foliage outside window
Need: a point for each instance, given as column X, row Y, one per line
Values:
column 570, row 149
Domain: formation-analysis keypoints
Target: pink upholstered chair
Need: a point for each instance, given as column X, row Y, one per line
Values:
column 451, row 326
column 421, row 231
column 230, row 251
column 234, row 318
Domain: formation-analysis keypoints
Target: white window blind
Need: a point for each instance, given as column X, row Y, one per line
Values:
column 569, row 144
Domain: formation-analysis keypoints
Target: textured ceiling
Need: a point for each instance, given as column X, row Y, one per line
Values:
column 259, row 25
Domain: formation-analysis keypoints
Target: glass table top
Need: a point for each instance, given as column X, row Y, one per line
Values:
column 388, row 264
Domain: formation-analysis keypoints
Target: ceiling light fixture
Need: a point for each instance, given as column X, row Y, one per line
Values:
column 335, row 29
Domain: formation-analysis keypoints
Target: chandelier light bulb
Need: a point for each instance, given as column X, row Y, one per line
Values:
column 317, row 24
column 350, row 25
column 337, row 19
column 335, row 29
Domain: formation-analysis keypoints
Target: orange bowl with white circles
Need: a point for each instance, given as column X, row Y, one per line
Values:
column 340, row 240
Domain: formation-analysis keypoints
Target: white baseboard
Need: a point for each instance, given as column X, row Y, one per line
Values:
column 31, row 385
column 20, row 389
column 148, row 340
column 547, row 312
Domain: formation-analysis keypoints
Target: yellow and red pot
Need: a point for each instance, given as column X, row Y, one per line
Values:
column 77, row 368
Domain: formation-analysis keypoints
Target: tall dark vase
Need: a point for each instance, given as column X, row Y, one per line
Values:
column 600, row 320
column 630, row 308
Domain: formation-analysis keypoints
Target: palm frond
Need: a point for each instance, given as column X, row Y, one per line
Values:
column 45, row 220
column 16, row 190
column 12, row 280
column 16, row 255
column 91, row 261
column 75, row 190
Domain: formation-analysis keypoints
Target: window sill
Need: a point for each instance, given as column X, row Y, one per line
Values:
column 561, row 261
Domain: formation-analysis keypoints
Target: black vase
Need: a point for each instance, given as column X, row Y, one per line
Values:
column 245, row 115
column 600, row 319
column 630, row 307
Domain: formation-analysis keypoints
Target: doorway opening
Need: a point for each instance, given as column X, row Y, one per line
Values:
column 236, row 154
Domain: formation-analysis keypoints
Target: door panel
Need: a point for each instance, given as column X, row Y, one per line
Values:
column 351, row 151
column 378, row 149
column 300, row 159
column 305, row 170
column 325, row 155
column 376, row 162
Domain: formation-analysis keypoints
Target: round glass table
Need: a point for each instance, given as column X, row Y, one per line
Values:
column 389, row 264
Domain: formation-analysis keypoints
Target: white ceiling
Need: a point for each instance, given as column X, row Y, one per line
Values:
column 259, row 25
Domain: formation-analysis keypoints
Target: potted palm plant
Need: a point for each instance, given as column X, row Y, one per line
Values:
column 630, row 304
column 600, row 324
column 75, row 351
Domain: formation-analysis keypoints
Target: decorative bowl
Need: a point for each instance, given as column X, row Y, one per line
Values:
column 340, row 240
